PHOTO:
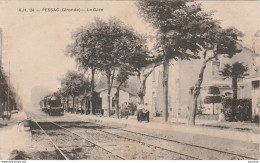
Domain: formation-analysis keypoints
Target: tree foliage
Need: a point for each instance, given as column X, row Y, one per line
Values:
column 180, row 27
column 7, row 91
column 184, row 31
column 3, row 83
column 216, row 42
column 235, row 71
column 105, row 46
column 122, row 76
column 74, row 84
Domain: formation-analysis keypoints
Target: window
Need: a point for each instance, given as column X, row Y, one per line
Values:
column 114, row 101
column 255, row 84
column 215, row 68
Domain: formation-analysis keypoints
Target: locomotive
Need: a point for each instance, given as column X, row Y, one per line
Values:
column 52, row 105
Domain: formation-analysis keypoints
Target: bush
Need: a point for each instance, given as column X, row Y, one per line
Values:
column 237, row 110
column 132, row 108
column 213, row 90
column 200, row 110
column 212, row 99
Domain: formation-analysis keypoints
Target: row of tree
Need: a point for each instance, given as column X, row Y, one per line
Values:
column 113, row 49
column 7, row 91
column 183, row 32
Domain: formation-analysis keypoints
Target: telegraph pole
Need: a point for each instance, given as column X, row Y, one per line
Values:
column 8, row 93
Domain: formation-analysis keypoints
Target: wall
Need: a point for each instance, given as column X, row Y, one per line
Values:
column 123, row 97
column 256, row 100
column 182, row 76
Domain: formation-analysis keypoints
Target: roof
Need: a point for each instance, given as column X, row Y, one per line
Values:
column 100, row 90
column 123, row 89
column 132, row 85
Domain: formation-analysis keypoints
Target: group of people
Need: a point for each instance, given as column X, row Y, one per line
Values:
column 143, row 113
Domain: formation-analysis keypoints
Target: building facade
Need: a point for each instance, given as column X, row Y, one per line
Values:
column 183, row 76
column 255, row 78
column 125, row 96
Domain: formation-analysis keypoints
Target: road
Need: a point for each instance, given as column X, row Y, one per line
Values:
column 75, row 137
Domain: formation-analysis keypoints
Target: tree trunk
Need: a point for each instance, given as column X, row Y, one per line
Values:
column 142, row 79
column 67, row 108
column 86, row 107
column 110, row 79
column 92, row 91
column 117, row 103
column 142, row 91
column 165, row 88
column 73, row 104
column 108, row 94
column 195, row 92
column 4, row 101
column 193, row 108
column 234, row 87
column 213, row 108
column 141, row 99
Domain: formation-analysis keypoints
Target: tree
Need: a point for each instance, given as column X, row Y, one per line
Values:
column 4, row 86
column 179, row 29
column 235, row 71
column 144, row 64
column 73, row 84
column 104, row 46
column 216, row 42
column 121, row 78
column 116, row 44
column 85, row 50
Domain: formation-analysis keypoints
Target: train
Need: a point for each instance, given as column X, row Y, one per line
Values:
column 57, row 105
column 52, row 105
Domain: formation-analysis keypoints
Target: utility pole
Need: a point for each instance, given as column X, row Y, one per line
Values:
column 8, row 93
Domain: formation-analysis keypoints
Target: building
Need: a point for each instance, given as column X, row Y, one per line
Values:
column 183, row 76
column 1, row 46
column 127, row 94
column 2, row 100
column 254, row 79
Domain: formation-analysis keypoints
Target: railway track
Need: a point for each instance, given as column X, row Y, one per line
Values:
column 119, row 142
column 150, row 144
column 65, row 149
column 190, row 151
column 196, row 147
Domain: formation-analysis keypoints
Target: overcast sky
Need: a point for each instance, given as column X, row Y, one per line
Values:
column 34, row 42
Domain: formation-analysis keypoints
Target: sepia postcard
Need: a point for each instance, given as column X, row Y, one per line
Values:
column 129, row 80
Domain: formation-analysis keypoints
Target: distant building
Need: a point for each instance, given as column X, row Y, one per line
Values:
column 127, row 94
column 124, row 97
column 2, row 100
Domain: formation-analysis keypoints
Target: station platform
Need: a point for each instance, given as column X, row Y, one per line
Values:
column 13, row 135
column 240, row 131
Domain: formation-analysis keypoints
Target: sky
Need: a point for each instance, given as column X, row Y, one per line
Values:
column 34, row 42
